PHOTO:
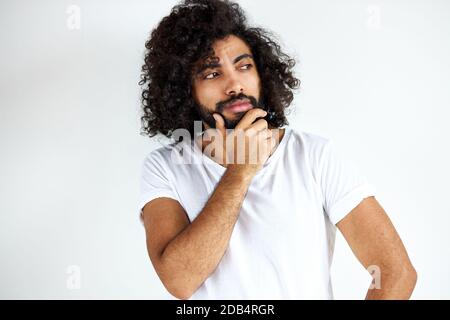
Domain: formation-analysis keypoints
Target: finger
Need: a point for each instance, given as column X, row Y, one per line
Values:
column 250, row 117
column 272, row 141
column 264, row 134
column 258, row 126
column 220, row 123
column 208, row 134
column 267, row 137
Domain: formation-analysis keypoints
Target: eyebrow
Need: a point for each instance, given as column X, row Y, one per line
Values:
column 212, row 65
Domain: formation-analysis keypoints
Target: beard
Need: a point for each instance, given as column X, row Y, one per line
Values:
column 206, row 115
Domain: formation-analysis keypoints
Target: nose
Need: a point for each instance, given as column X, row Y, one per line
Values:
column 233, row 87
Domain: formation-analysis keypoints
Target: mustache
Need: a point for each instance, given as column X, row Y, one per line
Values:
column 221, row 105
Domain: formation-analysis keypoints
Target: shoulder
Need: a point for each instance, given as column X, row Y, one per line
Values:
column 169, row 155
column 309, row 142
column 161, row 156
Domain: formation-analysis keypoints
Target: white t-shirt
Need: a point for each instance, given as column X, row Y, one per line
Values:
column 282, row 244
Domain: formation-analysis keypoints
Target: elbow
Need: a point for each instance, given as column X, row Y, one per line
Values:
column 405, row 278
column 410, row 276
column 180, row 288
column 180, row 292
column 175, row 281
column 407, row 273
column 183, row 296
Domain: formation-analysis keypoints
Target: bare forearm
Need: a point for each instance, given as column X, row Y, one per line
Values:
column 194, row 254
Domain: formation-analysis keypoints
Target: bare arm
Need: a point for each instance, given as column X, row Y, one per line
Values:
column 185, row 254
column 188, row 259
column 375, row 242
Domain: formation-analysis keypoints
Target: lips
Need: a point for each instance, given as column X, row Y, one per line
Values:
column 239, row 106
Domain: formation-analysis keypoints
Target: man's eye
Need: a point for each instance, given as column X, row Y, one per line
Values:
column 211, row 75
column 246, row 66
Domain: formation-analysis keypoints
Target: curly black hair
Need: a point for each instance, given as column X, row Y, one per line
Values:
column 186, row 36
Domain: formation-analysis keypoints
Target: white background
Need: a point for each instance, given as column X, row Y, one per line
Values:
column 375, row 78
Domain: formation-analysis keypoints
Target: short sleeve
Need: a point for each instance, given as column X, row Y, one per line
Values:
column 154, row 182
column 342, row 184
